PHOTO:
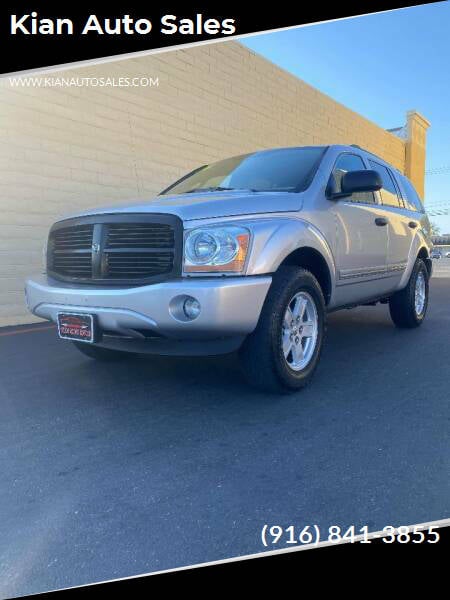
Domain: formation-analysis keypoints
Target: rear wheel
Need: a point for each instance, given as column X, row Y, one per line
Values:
column 408, row 307
column 102, row 354
column 282, row 353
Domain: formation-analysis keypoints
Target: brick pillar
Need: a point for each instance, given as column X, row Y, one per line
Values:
column 417, row 127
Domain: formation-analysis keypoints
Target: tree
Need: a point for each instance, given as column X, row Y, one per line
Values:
column 435, row 229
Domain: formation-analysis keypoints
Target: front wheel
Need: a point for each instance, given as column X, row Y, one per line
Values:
column 282, row 353
column 408, row 307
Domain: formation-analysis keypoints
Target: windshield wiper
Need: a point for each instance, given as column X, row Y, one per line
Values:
column 217, row 188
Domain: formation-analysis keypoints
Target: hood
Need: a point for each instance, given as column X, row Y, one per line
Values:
column 208, row 205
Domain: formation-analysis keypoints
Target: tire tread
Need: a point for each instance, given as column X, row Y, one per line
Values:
column 257, row 352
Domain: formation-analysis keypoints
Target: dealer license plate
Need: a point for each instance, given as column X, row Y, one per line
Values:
column 75, row 326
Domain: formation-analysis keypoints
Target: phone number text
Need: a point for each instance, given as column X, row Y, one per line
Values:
column 272, row 535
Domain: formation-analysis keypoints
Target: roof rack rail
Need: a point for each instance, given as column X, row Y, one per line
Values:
column 373, row 154
column 365, row 150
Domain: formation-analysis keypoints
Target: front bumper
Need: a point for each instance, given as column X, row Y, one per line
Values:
column 230, row 306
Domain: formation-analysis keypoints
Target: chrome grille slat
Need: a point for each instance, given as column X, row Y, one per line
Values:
column 142, row 235
column 65, row 240
column 71, row 264
column 138, row 264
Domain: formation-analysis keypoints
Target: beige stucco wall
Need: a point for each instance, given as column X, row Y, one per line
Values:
column 415, row 150
column 65, row 149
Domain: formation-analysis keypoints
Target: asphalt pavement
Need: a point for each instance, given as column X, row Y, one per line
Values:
column 114, row 470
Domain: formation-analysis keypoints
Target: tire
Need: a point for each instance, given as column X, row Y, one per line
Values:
column 101, row 354
column 404, row 310
column 263, row 359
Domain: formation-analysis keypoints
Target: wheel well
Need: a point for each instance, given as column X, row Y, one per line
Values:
column 313, row 261
column 423, row 254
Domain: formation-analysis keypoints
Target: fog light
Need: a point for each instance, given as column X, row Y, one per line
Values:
column 191, row 308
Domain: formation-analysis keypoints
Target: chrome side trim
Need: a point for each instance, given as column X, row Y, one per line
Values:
column 345, row 274
column 398, row 266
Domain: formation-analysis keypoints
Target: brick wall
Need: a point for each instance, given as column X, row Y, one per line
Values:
column 65, row 149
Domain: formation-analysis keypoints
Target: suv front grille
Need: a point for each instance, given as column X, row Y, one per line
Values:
column 116, row 248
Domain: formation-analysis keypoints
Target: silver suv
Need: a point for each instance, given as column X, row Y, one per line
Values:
column 248, row 254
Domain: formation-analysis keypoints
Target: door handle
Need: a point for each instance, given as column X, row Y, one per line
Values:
column 381, row 221
column 412, row 224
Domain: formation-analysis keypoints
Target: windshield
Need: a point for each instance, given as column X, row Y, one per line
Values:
column 283, row 170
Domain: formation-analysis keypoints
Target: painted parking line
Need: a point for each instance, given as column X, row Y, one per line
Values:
column 27, row 330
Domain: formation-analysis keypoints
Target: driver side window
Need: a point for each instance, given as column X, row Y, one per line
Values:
column 344, row 164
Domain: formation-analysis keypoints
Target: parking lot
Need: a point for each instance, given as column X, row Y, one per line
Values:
column 441, row 267
column 114, row 470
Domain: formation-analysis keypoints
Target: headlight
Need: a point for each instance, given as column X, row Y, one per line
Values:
column 212, row 249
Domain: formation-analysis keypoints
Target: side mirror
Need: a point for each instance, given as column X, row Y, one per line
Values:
column 358, row 181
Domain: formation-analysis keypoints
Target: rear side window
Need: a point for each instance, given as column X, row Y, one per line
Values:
column 389, row 194
column 344, row 164
column 412, row 199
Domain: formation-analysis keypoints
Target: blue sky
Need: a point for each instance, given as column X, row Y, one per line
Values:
column 380, row 66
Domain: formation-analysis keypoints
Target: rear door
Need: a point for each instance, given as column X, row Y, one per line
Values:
column 413, row 204
column 401, row 224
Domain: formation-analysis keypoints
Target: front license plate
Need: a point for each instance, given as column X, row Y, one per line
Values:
column 79, row 327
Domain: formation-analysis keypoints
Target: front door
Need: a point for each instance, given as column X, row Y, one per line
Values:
column 361, row 240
